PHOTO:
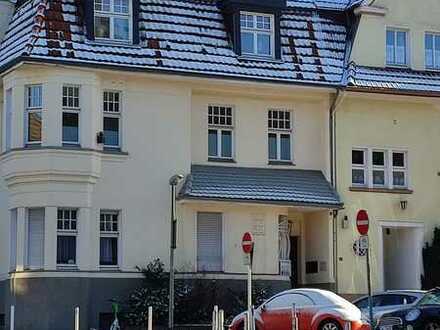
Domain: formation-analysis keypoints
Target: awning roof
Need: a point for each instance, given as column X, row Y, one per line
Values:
column 260, row 185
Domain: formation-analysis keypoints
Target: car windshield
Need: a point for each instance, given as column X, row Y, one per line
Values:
column 431, row 298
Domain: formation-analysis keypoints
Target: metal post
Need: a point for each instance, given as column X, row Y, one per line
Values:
column 150, row 318
column 76, row 318
column 246, row 320
column 221, row 319
column 172, row 248
column 294, row 318
column 249, row 298
column 370, row 299
column 12, row 318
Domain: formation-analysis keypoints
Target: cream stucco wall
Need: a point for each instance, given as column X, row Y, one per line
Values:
column 388, row 122
column 417, row 17
column 164, row 131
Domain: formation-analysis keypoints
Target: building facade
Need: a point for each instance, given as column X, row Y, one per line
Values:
column 278, row 116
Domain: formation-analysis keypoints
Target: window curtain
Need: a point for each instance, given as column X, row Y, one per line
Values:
column 66, row 250
column 108, row 251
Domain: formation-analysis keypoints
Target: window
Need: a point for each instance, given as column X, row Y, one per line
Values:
column 109, row 235
column 220, row 129
column 209, row 242
column 279, row 136
column 112, row 119
column 359, row 164
column 288, row 300
column 34, row 107
column 257, row 34
column 113, row 19
column 35, row 238
column 432, row 51
column 13, row 241
column 8, row 119
column 67, row 231
column 71, row 107
column 379, row 168
column 397, row 49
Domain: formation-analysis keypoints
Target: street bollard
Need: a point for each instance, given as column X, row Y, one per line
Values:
column 12, row 318
column 150, row 318
column 294, row 318
column 76, row 318
column 215, row 318
column 246, row 320
column 221, row 319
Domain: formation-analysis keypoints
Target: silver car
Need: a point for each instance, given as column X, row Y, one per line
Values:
column 389, row 301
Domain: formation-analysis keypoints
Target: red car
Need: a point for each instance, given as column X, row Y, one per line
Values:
column 315, row 310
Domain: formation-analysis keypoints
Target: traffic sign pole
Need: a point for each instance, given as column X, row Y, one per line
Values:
column 247, row 244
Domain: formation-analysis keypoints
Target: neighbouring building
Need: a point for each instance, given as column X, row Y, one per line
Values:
column 284, row 118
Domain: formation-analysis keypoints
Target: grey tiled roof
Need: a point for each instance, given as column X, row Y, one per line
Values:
column 260, row 185
column 324, row 4
column 184, row 36
column 392, row 79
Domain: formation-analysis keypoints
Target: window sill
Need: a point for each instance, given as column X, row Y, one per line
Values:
column 281, row 163
column 110, row 42
column 67, row 268
column 260, row 58
column 381, row 190
column 221, row 160
column 397, row 66
column 109, row 268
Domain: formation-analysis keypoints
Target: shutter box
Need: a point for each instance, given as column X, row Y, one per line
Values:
column 35, row 246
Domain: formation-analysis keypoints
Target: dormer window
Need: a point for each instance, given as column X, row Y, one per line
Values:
column 257, row 34
column 113, row 20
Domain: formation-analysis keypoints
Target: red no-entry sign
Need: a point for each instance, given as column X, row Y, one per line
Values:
column 247, row 243
column 362, row 222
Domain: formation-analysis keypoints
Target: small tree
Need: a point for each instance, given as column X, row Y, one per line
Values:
column 431, row 262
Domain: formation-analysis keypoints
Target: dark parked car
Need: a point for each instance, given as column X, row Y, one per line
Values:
column 424, row 315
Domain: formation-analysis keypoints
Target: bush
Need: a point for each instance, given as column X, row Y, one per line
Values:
column 431, row 262
column 194, row 299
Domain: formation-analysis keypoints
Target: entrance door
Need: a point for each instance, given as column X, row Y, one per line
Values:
column 294, row 261
column 402, row 250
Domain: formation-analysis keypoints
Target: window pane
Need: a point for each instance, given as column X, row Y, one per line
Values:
column 212, row 143
column 272, row 146
column 285, row 147
column 437, row 51
column 70, row 127
column 108, row 255
column 34, row 127
column 429, row 50
column 378, row 158
column 357, row 157
column 227, row 144
column 358, row 176
column 390, row 46
column 399, row 179
column 102, row 27
column 121, row 28
column 66, row 250
column 247, row 43
column 401, row 48
column 379, row 178
column 111, row 131
column 121, row 6
column 263, row 44
column 398, row 159
column 35, row 99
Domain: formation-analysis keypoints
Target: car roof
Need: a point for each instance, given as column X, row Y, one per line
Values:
column 319, row 296
column 416, row 293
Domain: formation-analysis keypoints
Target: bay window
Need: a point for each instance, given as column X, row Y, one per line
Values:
column 279, row 135
column 113, row 20
column 67, row 232
column 112, row 120
column 71, row 111
column 109, row 237
column 257, row 34
column 220, row 132
column 34, row 107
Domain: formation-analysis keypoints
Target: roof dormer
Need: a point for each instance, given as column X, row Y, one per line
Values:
column 254, row 27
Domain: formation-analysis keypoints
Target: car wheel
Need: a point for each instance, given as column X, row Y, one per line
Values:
column 329, row 325
column 432, row 325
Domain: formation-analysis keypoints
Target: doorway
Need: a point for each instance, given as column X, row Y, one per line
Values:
column 401, row 256
column 294, row 261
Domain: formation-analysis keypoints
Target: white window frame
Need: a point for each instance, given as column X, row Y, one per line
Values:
column 278, row 132
column 75, row 110
column 33, row 109
column 255, row 31
column 69, row 232
column 435, row 66
column 388, row 168
column 113, row 114
column 110, row 234
column 407, row 47
column 383, row 168
column 220, row 129
column 363, row 167
column 112, row 15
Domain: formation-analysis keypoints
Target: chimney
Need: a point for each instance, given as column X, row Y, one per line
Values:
column 6, row 11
